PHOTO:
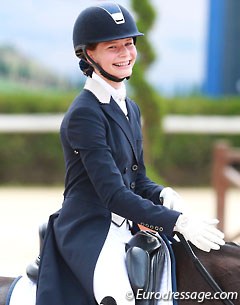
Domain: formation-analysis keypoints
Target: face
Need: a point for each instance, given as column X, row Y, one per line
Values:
column 117, row 57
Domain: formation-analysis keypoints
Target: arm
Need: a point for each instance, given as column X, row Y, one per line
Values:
column 145, row 187
column 87, row 133
column 202, row 233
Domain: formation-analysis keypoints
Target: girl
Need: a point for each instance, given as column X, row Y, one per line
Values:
column 107, row 192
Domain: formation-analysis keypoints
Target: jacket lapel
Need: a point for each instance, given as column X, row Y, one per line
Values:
column 132, row 119
column 114, row 111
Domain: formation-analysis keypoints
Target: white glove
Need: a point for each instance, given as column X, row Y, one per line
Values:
column 172, row 199
column 202, row 233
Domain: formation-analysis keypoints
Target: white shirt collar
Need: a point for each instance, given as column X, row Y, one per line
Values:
column 98, row 90
column 103, row 91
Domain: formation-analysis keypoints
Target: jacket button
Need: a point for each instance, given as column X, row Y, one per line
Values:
column 76, row 152
column 134, row 167
column 132, row 185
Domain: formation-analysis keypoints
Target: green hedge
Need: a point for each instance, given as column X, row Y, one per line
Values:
column 35, row 102
column 31, row 159
column 186, row 159
column 203, row 105
column 57, row 101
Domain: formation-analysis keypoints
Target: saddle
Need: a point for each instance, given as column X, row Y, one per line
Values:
column 144, row 261
column 32, row 269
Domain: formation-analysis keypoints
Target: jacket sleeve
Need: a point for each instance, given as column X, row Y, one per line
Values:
column 87, row 133
column 145, row 187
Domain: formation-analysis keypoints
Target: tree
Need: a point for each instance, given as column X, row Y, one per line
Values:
column 4, row 69
column 143, row 92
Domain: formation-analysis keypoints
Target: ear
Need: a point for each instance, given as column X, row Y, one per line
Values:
column 90, row 53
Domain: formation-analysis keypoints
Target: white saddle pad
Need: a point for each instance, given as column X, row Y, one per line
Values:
column 23, row 293
column 166, row 283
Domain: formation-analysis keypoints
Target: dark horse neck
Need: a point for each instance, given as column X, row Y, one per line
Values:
column 223, row 266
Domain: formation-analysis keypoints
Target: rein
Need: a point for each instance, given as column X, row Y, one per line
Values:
column 200, row 267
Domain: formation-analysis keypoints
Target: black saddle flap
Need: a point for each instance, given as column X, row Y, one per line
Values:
column 145, row 240
column 138, row 266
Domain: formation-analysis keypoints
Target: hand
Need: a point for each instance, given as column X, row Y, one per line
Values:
column 171, row 199
column 202, row 233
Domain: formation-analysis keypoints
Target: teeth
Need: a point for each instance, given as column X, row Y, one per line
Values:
column 122, row 64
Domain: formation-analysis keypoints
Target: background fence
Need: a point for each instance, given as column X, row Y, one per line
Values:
column 200, row 124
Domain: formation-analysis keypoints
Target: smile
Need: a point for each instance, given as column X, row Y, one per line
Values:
column 123, row 64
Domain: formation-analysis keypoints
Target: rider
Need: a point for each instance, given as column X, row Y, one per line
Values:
column 107, row 192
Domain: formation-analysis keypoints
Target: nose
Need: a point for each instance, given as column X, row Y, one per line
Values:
column 123, row 51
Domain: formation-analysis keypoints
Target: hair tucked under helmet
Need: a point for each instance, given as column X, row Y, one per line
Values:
column 104, row 22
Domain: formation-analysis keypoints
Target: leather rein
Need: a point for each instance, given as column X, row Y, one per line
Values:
column 200, row 267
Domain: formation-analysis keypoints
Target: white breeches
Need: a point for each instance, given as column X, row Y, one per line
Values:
column 110, row 275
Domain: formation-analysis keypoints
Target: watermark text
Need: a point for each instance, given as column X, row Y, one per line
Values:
column 200, row 297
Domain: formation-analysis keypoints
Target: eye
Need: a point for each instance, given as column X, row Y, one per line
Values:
column 129, row 43
column 112, row 47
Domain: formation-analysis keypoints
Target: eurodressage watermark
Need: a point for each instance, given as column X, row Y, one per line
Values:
column 200, row 297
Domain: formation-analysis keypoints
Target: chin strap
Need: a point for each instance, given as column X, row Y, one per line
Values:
column 103, row 72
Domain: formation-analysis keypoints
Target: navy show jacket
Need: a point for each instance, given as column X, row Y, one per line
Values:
column 105, row 173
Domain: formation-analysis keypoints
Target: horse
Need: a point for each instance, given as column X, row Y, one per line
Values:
column 223, row 265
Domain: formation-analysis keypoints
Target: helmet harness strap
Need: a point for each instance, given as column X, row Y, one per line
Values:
column 101, row 70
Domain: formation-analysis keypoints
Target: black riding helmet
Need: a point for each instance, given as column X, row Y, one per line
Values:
column 104, row 22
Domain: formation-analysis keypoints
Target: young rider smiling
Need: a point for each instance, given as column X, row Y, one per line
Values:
column 117, row 57
column 107, row 192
